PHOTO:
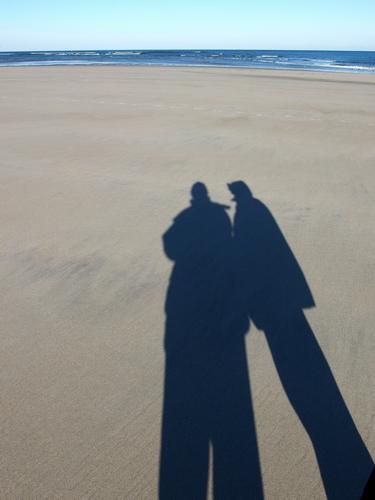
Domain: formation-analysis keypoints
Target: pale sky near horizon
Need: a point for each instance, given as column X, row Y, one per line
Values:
column 184, row 24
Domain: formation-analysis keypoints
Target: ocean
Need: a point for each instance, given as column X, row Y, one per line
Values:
column 309, row 60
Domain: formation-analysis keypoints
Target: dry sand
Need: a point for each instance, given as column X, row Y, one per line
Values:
column 95, row 163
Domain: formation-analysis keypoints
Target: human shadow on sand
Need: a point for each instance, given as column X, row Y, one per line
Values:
column 223, row 278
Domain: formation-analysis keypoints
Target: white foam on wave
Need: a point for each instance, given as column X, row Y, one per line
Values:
column 90, row 53
column 42, row 53
column 57, row 62
column 125, row 53
column 67, row 53
column 314, row 64
column 344, row 66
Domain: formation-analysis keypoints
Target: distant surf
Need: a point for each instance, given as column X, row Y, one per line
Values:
column 311, row 60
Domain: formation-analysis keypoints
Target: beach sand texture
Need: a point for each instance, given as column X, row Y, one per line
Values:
column 95, row 164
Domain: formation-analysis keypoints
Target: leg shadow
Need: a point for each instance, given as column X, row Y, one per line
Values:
column 207, row 404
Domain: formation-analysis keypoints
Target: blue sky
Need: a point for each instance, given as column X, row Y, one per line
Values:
column 267, row 24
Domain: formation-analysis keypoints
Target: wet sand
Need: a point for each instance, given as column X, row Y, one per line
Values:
column 95, row 164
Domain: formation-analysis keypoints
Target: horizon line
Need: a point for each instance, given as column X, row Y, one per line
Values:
column 190, row 49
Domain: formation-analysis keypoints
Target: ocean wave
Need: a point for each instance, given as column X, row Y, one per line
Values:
column 303, row 61
column 65, row 53
column 323, row 63
column 86, row 53
column 57, row 62
column 166, row 53
column 42, row 53
column 125, row 53
column 350, row 67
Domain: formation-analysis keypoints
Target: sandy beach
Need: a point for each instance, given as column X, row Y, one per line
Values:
column 96, row 162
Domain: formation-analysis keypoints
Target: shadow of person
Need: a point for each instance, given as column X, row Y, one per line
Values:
column 276, row 293
column 207, row 401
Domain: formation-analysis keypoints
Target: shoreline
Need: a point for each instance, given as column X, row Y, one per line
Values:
column 189, row 66
column 282, row 74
